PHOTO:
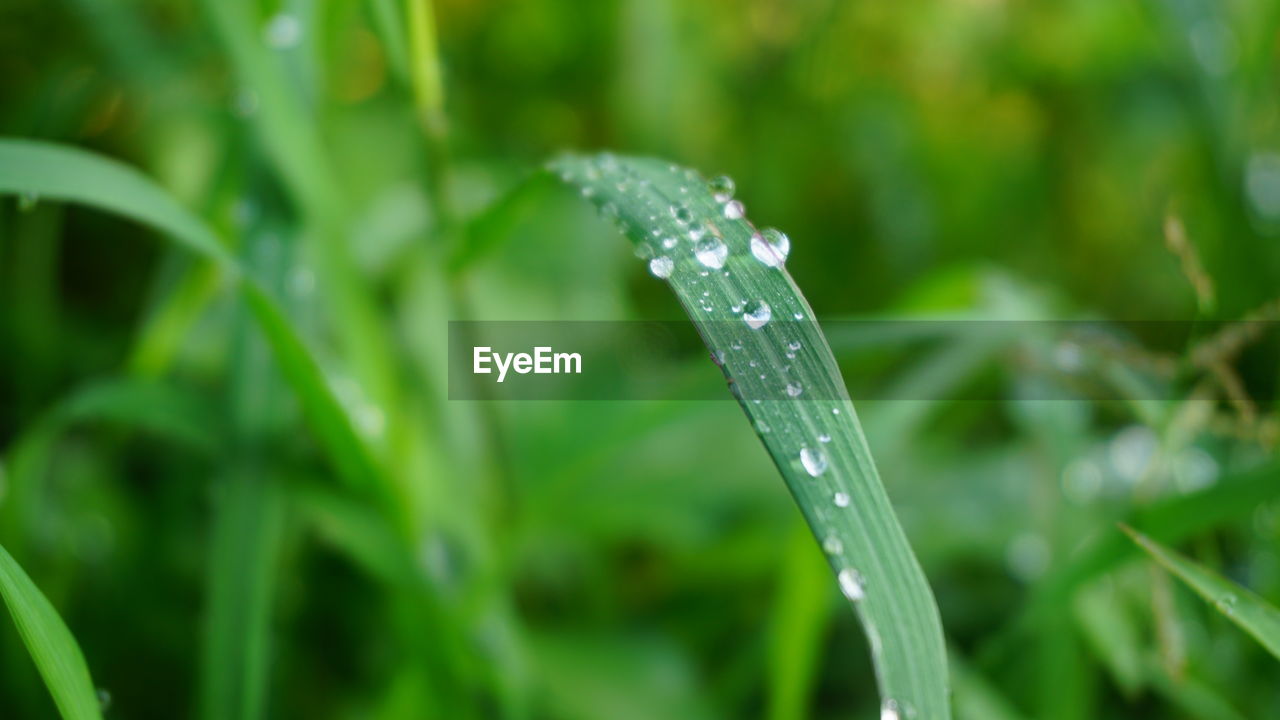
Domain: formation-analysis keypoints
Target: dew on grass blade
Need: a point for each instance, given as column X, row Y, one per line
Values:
column 814, row 461
column 794, row 389
column 661, row 266
column 734, row 210
column 756, row 314
column 722, row 188
column 851, row 584
column 832, row 545
column 771, row 247
column 889, row 711
column 711, row 252
column 841, row 499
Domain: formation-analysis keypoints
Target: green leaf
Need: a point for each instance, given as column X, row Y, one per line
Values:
column 50, row 643
column 1251, row 613
column 53, row 171
column 810, row 430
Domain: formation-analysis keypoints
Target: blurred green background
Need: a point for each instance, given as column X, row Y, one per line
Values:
column 376, row 162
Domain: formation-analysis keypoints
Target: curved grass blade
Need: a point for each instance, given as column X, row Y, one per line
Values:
column 1251, row 613
column 47, row 170
column 54, row 650
column 762, row 332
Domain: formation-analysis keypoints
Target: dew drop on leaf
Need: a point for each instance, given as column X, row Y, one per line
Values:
column 771, row 247
column 832, row 545
column 711, row 252
column 794, row 389
column 756, row 314
column 722, row 188
column 734, row 210
column 661, row 266
column 853, row 587
column 814, row 461
column 841, row 499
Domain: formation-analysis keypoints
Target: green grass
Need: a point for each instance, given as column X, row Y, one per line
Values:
column 51, row 645
column 1249, row 612
column 766, row 339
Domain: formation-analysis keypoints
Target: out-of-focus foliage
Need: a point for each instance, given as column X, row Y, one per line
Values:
column 161, row 485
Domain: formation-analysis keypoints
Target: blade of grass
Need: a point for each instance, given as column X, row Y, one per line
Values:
column 61, row 173
column 54, row 650
column 1249, row 612
column 813, row 436
column 245, row 547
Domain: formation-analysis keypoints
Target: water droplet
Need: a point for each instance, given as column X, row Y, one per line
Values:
column 644, row 251
column 794, row 389
column 762, row 427
column 841, row 499
column 771, row 247
column 733, row 210
column 889, row 711
column 852, row 584
column 798, row 316
column 711, row 252
column 737, row 307
column 1226, row 604
column 722, row 188
column 756, row 314
column 824, row 438
column 814, row 461
column 669, row 242
column 794, row 345
column 832, row 545
column 283, row 30
column 661, row 266
column 104, row 699
column 681, row 214
column 835, row 411
column 696, row 231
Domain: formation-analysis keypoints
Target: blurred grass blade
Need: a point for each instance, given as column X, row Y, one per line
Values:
column 247, row 536
column 50, row 643
column 52, row 171
column 756, row 323
column 1251, row 613
column 47, row 171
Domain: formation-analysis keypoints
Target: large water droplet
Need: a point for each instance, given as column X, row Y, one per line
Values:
column 734, row 210
column 794, row 389
column 851, row 584
column 711, row 252
column 696, row 231
column 756, row 314
column 841, row 499
column 889, row 711
column 771, row 247
column 722, row 188
column 814, row 461
column 661, row 266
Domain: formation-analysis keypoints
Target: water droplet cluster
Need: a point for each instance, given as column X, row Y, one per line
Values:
column 695, row 234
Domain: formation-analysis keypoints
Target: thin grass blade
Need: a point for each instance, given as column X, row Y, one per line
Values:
column 54, row 650
column 759, row 328
column 1247, row 610
column 52, row 171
